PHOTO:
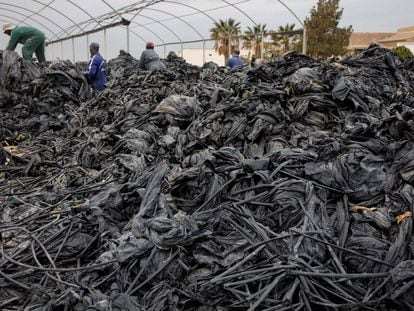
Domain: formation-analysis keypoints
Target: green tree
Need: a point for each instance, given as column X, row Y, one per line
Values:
column 325, row 38
column 285, row 39
column 226, row 35
column 252, row 39
column 403, row 52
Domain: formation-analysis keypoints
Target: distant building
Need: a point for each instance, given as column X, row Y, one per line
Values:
column 404, row 36
column 361, row 40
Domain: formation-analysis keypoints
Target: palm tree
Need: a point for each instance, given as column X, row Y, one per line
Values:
column 271, row 49
column 226, row 36
column 285, row 39
column 252, row 39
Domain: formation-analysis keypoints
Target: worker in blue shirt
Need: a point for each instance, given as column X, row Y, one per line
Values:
column 235, row 60
column 97, row 68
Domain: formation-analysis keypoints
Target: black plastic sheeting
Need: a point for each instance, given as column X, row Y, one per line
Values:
column 288, row 186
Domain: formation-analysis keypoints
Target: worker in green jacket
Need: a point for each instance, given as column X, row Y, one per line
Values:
column 33, row 41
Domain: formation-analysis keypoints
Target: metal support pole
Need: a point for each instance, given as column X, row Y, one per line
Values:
column 61, row 50
column 87, row 46
column 229, row 45
column 165, row 51
column 127, row 29
column 204, row 52
column 73, row 50
column 105, row 45
column 53, row 52
column 304, row 40
column 182, row 49
column 262, row 46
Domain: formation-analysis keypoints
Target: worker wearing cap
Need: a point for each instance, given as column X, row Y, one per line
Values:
column 150, row 60
column 33, row 41
column 97, row 68
column 235, row 60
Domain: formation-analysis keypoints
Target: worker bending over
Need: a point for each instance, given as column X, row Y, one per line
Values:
column 33, row 41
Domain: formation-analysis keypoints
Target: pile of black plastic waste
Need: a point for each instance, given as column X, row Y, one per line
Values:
column 288, row 186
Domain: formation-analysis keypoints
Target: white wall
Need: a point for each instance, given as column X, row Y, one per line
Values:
column 195, row 56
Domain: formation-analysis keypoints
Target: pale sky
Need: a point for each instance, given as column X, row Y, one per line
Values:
column 363, row 15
